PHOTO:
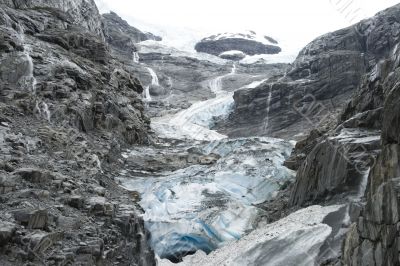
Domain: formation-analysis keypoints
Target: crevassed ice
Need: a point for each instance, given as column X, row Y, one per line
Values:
column 203, row 207
column 301, row 234
column 196, row 121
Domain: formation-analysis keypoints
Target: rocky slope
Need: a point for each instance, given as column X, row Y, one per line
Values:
column 229, row 45
column 67, row 108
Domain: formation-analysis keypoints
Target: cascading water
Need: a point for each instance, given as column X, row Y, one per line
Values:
column 154, row 82
column 266, row 121
column 136, row 57
column 41, row 108
column 29, row 80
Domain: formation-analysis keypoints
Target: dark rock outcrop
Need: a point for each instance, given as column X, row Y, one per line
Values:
column 122, row 37
column 67, row 107
column 327, row 175
column 246, row 43
column 374, row 235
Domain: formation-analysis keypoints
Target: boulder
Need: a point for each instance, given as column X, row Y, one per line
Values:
column 34, row 175
column 32, row 219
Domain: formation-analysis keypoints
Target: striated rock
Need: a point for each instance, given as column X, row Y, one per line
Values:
column 320, row 83
column 33, row 219
column 40, row 242
column 372, row 237
column 337, row 164
column 81, row 12
column 7, row 184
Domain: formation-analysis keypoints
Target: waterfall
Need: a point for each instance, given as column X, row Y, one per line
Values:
column 147, row 95
column 42, row 110
column 136, row 57
column 266, row 121
column 29, row 79
column 154, row 78
column 216, row 84
column 154, row 82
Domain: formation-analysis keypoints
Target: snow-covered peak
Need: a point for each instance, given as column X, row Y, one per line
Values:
column 247, row 35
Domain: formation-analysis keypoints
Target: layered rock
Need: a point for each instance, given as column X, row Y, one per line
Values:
column 66, row 109
column 326, row 174
column 316, row 88
column 373, row 237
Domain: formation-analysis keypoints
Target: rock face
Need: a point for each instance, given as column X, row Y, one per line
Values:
column 373, row 237
column 248, row 43
column 67, row 107
column 321, row 79
column 324, row 171
column 122, row 37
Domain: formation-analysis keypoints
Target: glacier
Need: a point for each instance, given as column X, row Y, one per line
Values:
column 203, row 207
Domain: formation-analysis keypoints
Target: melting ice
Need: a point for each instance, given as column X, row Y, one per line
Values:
column 203, row 207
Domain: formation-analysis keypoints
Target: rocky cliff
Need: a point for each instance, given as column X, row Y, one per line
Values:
column 67, row 108
column 358, row 153
column 342, row 89
column 122, row 37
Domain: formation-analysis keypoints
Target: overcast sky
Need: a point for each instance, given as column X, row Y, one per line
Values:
column 290, row 21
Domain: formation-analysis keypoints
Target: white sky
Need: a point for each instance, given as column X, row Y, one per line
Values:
column 292, row 22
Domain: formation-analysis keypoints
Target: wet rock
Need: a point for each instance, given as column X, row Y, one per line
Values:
column 337, row 164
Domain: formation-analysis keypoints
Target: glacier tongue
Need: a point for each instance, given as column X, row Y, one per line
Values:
column 294, row 240
column 196, row 121
column 202, row 207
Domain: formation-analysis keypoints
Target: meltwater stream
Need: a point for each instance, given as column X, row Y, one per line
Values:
column 210, row 198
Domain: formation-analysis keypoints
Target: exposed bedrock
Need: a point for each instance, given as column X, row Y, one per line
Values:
column 67, row 108
column 320, row 82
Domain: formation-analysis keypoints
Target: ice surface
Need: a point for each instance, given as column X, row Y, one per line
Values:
column 204, row 207
column 294, row 240
column 196, row 121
